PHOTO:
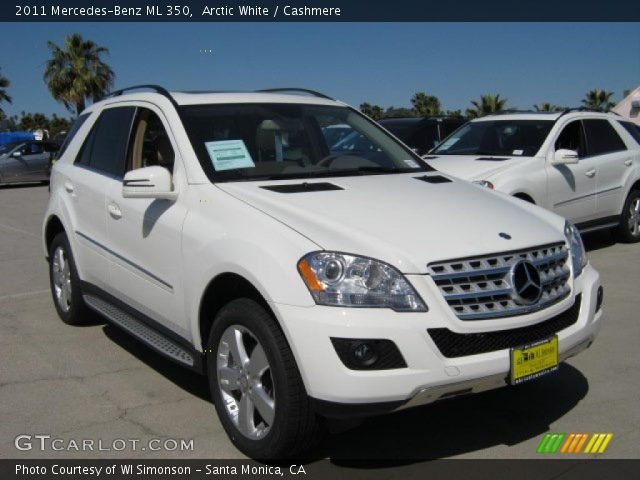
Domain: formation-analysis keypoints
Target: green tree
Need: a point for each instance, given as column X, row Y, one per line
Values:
column 598, row 100
column 454, row 113
column 548, row 107
column 4, row 97
column 75, row 73
column 487, row 105
column 399, row 112
column 426, row 105
column 372, row 111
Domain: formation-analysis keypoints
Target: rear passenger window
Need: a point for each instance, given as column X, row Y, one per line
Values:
column 633, row 129
column 105, row 148
column 602, row 138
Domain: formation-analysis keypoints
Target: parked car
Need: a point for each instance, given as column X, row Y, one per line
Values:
column 223, row 231
column 579, row 164
column 422, row 134
column 28, row 161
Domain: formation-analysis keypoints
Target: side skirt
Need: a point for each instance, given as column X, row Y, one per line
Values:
column 143, row 328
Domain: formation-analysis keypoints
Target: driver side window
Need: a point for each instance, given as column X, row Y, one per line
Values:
column 150, row 144
column 572, row 138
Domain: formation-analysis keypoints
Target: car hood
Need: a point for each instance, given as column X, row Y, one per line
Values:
column 472, row 167
column 401, row 219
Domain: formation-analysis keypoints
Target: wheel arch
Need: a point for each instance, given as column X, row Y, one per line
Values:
column 53, row 227
column 221, row 290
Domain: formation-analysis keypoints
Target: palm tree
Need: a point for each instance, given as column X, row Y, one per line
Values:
column 488, row 104
column 4, row 83
column 372, row 111
column 426, row 105
column 76, row 73
column 548, row 107
column 598, row 100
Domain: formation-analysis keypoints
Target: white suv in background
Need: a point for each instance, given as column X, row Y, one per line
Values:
column 580, row 164
column 223, row 231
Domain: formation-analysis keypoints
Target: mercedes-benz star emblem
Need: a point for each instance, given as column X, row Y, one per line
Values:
column 525, row 280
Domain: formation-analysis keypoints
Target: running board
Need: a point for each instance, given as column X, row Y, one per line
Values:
column 141, row 331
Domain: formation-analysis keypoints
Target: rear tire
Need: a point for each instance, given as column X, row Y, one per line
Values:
column 629, row 229
column 259, row 397
column 65, row 283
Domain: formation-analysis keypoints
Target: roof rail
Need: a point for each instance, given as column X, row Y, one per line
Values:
column 296, row 90
column 585, row 109
column 156, row 88
column 510, row 112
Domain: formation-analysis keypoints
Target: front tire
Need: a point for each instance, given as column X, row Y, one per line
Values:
column 256, row 386
column 629, row 228
column 65, row 283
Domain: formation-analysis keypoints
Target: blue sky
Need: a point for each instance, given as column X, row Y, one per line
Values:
column 383, row 63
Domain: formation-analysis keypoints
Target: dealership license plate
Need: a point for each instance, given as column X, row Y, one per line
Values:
column 532, row 361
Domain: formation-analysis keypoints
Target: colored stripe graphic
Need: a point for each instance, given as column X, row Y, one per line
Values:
column 573, row 443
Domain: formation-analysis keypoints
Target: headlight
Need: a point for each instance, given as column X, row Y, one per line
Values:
column 484, row 183
column 576, row 247
column 337, row 279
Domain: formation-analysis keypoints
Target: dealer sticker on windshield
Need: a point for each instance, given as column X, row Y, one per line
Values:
column 532, row 361
column 229, row 154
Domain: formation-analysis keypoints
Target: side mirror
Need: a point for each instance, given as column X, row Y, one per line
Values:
column 565, row 157
column 148, row 182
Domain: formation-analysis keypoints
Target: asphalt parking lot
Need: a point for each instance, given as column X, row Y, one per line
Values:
column 94, row 382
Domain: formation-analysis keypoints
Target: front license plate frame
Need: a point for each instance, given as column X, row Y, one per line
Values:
column 531, row 361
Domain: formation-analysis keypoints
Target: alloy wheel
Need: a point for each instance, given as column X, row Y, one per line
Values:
column 634, row 217
column 61, row 279
column 245, row 382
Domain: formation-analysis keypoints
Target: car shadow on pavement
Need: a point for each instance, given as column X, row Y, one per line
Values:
column 507, row 416
column 598, row 240
column 188, row 380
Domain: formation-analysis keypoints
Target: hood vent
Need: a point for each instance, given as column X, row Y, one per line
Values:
column 303, row 187
column 492, row 159
column 433, row 179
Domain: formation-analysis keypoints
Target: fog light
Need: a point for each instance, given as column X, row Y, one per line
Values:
column 599, row 298
column 364, row 354
column 368, row 353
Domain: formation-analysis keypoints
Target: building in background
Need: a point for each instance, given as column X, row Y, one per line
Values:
column 629, row 107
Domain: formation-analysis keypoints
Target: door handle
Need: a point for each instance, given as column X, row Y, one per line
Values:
column 590, row 173
column 68, row 186
column 114, row 210
column 628, row 162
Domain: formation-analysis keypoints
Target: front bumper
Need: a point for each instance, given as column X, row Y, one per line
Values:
column 429, row 375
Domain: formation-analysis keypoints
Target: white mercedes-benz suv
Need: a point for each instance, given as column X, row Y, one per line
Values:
column 580, row 164
column 308, row 279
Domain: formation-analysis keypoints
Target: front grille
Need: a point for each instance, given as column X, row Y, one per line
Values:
column 452, row 344
column 480, row 287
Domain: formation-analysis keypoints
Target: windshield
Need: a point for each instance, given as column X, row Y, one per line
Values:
column 497, row 137
column 281, row 141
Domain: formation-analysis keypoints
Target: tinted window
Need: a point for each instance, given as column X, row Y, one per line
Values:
column 31, row 149
column 602, row 138
column 633, row 129
column 572, row 138
column 497, row 137
column 105, row 147
column 72, row 133
column 151, row 144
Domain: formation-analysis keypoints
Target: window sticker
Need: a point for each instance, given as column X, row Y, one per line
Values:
column 517, row 152
column 229, row 155
column 411, row 163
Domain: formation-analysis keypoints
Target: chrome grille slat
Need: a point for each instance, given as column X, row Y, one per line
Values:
column 480, row 287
